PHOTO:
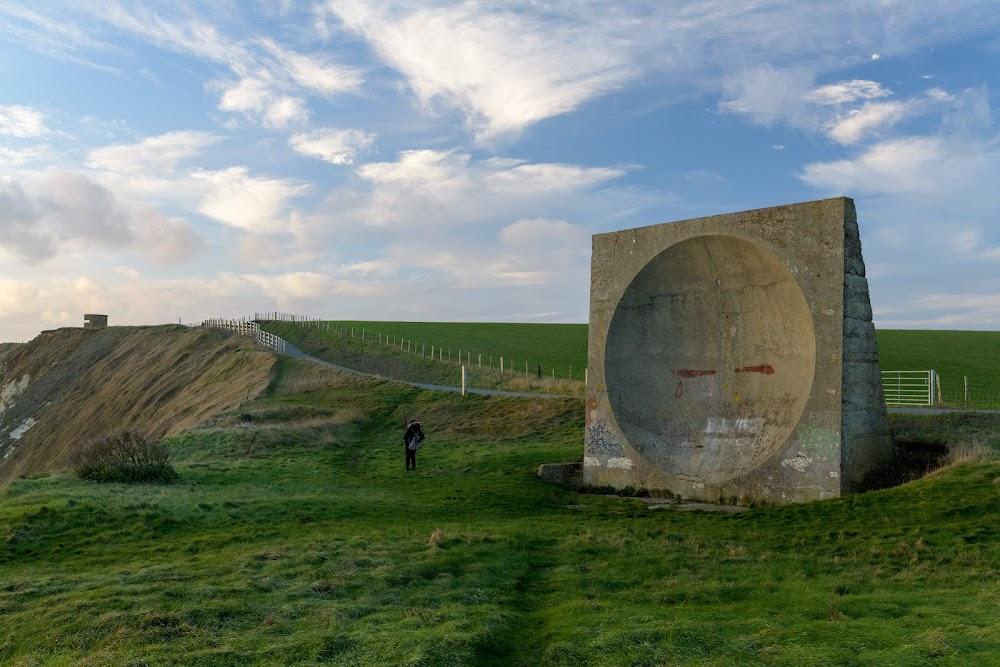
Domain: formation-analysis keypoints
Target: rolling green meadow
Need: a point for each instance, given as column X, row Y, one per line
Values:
column 295, row 537
column 953, row 354
column 558, row 347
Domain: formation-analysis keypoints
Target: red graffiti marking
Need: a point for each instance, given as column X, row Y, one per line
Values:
column 766, row 369
column 690, row 373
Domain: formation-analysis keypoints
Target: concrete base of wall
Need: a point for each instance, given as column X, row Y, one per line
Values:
column 564, row 474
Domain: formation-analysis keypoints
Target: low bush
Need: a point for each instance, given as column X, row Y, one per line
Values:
column 124, row 456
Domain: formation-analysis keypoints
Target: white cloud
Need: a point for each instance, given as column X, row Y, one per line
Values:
column 157, row 153
column 939, row 95
column 16, row 296
column 909, row 166
column 154, row 172
column 272, row 81
column 289, row 289
column 485, row 61
column 16, row 157
column 167, row 241
column 869, row 119
column 845, row 92
column 22, row 122
column 129, row 272
column 314, row 72
column 68, row 212
column 442, row 188
column 258, row 98
column 333, row 145
column 548, row 178
column 767, row 94
column 254, row 203
column 37, row 217
column 532, row 234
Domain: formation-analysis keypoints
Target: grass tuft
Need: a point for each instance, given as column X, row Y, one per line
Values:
column 126, row 457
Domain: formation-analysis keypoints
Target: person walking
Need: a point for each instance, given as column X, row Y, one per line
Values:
column 411, row 441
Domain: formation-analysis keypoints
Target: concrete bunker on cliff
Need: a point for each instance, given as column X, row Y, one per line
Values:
column 735, row 356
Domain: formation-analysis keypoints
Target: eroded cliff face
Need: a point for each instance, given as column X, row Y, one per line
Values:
column 69, row 385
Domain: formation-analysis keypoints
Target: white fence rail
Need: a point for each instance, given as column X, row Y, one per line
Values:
column 910, row 387
column 253, row 329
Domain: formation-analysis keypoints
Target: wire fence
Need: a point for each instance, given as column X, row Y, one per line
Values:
column 928, row 388
column 969, row 392
column 471, row 358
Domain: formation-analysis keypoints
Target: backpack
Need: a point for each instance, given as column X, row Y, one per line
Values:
column 413, row 443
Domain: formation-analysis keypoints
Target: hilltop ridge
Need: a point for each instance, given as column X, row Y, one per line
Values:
column 70, row 384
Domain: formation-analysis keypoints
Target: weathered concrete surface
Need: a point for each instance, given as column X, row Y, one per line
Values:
column 734, row 356
column 563, row 474
column 91, row 321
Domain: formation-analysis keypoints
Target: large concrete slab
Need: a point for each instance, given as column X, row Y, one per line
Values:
column 735, row 356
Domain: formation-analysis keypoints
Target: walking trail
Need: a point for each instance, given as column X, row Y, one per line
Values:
column 296, row 353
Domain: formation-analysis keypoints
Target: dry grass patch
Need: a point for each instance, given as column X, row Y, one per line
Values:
column 164, row 379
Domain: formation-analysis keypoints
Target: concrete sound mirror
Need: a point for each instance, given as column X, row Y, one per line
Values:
column 734, row 356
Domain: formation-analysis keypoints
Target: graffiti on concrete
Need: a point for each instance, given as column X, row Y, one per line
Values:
column 599, row 440
column 818, row 440
column 763, row 369
column 693, row 373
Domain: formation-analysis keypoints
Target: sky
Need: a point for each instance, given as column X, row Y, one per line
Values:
column 449, row 161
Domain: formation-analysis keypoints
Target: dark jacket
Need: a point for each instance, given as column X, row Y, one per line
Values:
column 413, row 430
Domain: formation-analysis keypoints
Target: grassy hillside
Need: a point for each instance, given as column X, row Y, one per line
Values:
column 558, row 347
column 954, row 354
column 295, row 537
column 71, row 384
column 389, row 361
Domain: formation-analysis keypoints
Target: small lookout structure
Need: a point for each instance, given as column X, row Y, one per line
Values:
column 95, row 321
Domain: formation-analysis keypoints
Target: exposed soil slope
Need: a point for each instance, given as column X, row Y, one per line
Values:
column 68, row 385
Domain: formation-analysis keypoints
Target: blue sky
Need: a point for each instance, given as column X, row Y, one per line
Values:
column 423, row 160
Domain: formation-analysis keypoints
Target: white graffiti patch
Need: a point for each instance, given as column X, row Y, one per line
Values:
column 799, row 463
column 620, row 462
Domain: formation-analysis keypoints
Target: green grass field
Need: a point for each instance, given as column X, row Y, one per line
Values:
column 955, row 355
column 558, row 347
column 296, row 538
column 388, row 360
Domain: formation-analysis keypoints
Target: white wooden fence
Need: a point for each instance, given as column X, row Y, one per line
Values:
column 910, row 387
column 248, row 328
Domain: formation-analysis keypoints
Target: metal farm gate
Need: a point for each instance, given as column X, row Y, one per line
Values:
column 909, row 387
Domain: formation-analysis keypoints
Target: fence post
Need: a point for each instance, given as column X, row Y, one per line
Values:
column 586, row 376
column 463, row 380
column 501, row 365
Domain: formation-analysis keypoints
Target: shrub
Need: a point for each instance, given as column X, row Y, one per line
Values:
column 124, row 456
